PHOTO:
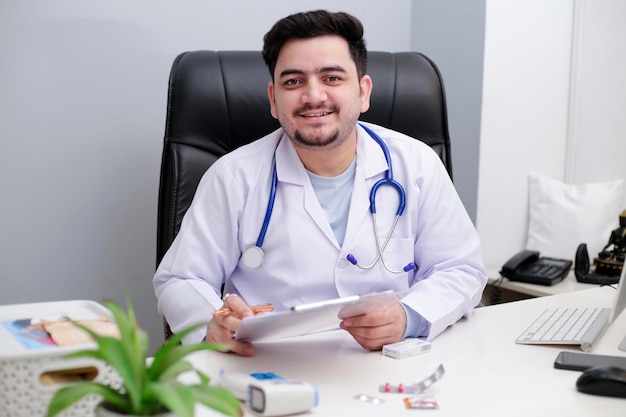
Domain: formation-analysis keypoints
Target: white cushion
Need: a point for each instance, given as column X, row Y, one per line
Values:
column 562, row 216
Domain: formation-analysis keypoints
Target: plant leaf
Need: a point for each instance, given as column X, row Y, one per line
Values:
column 135, row 348
column 177, row 338
column 68, row 395
column 218, row 398
column 112, row 352
column 169, row 354
column 146, row 389
column 169, row 344
column 177, row 368
column 204, row 378
column 177, row 397
column 125, row 355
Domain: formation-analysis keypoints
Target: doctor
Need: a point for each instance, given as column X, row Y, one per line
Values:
column 320, row 240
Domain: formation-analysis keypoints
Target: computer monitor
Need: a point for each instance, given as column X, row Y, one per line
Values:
column 619, row 303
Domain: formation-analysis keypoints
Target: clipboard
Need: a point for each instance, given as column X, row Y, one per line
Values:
column 313, row 317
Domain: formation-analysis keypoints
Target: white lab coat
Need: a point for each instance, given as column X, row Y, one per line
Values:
column 303, row 260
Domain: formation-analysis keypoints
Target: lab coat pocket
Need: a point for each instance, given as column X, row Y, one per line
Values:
column 397, row 255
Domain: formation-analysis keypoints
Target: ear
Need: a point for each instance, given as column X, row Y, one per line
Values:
column 366, row 86
column 270, row 96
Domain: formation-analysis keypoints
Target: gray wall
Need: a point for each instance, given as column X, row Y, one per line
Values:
column 452, row 34
column 82, row 109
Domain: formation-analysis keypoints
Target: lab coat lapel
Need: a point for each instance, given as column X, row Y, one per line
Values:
column 370, row 165
column 290, row 170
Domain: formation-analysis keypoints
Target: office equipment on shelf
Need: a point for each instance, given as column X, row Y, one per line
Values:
column 608, row 265
column 584, row 274
column 528, row 266
column 581, row 326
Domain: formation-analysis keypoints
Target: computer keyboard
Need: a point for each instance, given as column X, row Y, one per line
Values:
column 561, row 325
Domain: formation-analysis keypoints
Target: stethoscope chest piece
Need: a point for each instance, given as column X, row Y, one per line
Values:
column 253, row 257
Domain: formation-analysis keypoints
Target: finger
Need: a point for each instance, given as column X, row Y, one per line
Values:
column 393, row 316
column 242, row 348
column 368, row 320
column 374, row 338
column 216, row 332
column 223, row 336
column 368, row 332
column 390, row 331
column 230, row 322
column 374, row 330
column 237, row 306
column 372, row 343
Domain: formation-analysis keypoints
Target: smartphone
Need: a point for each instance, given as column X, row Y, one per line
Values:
column 575, row 361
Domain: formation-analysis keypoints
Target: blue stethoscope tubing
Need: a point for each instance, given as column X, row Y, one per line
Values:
column 253, row 256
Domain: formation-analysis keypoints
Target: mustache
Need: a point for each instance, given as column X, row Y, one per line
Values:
column 309, row 107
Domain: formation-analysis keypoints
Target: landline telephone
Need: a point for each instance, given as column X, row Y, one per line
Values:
column 529, row 266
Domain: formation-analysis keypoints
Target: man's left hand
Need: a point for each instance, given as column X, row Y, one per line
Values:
column 373, row 330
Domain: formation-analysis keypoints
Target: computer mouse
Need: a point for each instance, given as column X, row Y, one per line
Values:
column 608, row 381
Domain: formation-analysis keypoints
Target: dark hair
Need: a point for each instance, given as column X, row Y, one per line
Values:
column 313, row 24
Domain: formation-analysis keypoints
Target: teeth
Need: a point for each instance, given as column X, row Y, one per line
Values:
column 315, row 115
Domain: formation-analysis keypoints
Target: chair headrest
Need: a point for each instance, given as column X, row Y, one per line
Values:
column 218, row 100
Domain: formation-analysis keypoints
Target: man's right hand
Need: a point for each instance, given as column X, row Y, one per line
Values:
column 222, row 328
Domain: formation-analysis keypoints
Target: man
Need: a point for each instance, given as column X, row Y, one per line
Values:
column 326, row 165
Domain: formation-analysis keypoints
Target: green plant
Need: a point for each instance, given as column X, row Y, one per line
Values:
column 146, row 389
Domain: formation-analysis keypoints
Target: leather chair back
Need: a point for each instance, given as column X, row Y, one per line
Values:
column 217, row 101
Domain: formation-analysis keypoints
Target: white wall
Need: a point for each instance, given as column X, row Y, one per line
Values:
column 527, row 125
column 82, row 111
column 598, row 117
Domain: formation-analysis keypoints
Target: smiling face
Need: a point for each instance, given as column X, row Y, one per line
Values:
column 316, row 94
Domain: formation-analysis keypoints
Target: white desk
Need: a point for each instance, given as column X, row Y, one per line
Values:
column 487, row 374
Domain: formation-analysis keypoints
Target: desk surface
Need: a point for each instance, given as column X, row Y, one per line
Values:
column 568, row 284
column 486, row 373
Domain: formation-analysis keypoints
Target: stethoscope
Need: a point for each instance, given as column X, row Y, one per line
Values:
column 254, row 256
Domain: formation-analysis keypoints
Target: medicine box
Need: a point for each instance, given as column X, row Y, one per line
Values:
column 32, row 367
column 406, row 348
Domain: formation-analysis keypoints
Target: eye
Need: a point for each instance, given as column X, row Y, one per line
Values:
column 333, row 79
column 292, row 82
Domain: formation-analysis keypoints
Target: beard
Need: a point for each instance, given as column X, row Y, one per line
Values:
column 317, row 138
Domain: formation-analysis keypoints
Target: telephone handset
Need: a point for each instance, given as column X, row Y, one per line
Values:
column 529, row 266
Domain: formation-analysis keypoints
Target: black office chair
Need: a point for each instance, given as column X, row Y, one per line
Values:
column 217, row 101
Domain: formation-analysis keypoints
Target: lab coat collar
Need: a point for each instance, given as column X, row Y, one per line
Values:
column 289, row 167
column 370, row 158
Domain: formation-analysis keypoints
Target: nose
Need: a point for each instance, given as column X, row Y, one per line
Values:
column 314, row 92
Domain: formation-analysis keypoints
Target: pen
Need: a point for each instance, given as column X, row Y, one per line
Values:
column 224, row 311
